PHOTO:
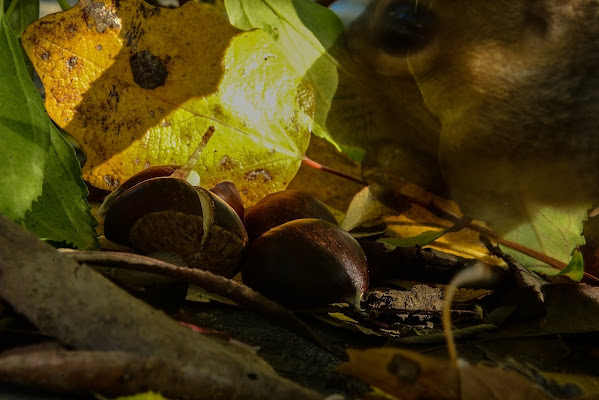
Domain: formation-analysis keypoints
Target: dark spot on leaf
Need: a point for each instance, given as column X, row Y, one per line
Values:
column 111, row 182
column 148, row 70
column 148, row 11
column 102, row 17
column 258, row 174
column 226, row 163
column 45, row 55
column 252, row 376
column 405, row 369
column 71, row 62
column 115, row 96
column 133, row 34
column 99, row 47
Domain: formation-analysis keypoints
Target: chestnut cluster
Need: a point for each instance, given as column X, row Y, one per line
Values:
column 290, row 248
column 300, row 257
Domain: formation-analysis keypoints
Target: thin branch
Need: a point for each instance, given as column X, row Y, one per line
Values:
column 316, row 165
column 239, row 293
column 434, row 208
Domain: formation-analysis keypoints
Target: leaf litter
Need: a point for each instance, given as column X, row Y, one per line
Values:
column 557, row 307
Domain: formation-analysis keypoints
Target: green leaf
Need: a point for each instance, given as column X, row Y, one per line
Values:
column 553, row 231
column 22, row 13
column 574, row 270
column 24, row 130
column 39, row 172
column 61, row 214
column 306, row 33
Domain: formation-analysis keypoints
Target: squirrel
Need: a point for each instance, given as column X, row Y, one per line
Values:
column 507, row 93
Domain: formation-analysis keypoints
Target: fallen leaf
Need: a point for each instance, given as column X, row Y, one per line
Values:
column 363, row 209
column 410, row 375
column 135, row 92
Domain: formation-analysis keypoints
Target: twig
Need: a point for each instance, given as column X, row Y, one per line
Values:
column 434, row 208
column 239, row 293
column 316, row 165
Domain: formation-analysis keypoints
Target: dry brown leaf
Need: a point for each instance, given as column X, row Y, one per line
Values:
column 413, row 376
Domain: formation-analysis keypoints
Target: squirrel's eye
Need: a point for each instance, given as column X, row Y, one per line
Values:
column 402, row 26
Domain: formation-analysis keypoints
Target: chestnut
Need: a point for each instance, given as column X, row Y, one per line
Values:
column 280, row 207
column 143, row 175
column 164, row 216
column 306, row 263
column 228, row 192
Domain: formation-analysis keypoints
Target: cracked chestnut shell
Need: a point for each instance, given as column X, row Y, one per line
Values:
column 162, row 217
column 306, row 263
column 280, row 207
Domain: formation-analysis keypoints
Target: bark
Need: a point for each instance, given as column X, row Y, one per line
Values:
column 102, row 372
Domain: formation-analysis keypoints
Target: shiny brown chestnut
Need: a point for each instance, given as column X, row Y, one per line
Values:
column 307, row 263
column 280, row 207
column 164, row 216
column 154, row 171
column 228, row 192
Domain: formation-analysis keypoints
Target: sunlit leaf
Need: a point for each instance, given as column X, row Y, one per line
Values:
column 305, row 32
column 136, row 92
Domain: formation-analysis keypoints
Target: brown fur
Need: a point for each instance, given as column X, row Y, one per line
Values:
column 515, row 86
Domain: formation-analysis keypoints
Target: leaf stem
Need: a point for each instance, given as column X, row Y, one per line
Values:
column 433, row 208
column 10, row 9
column 316, row 165
column 64, row 4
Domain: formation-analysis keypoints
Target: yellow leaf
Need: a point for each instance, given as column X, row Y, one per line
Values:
column 138, row 85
